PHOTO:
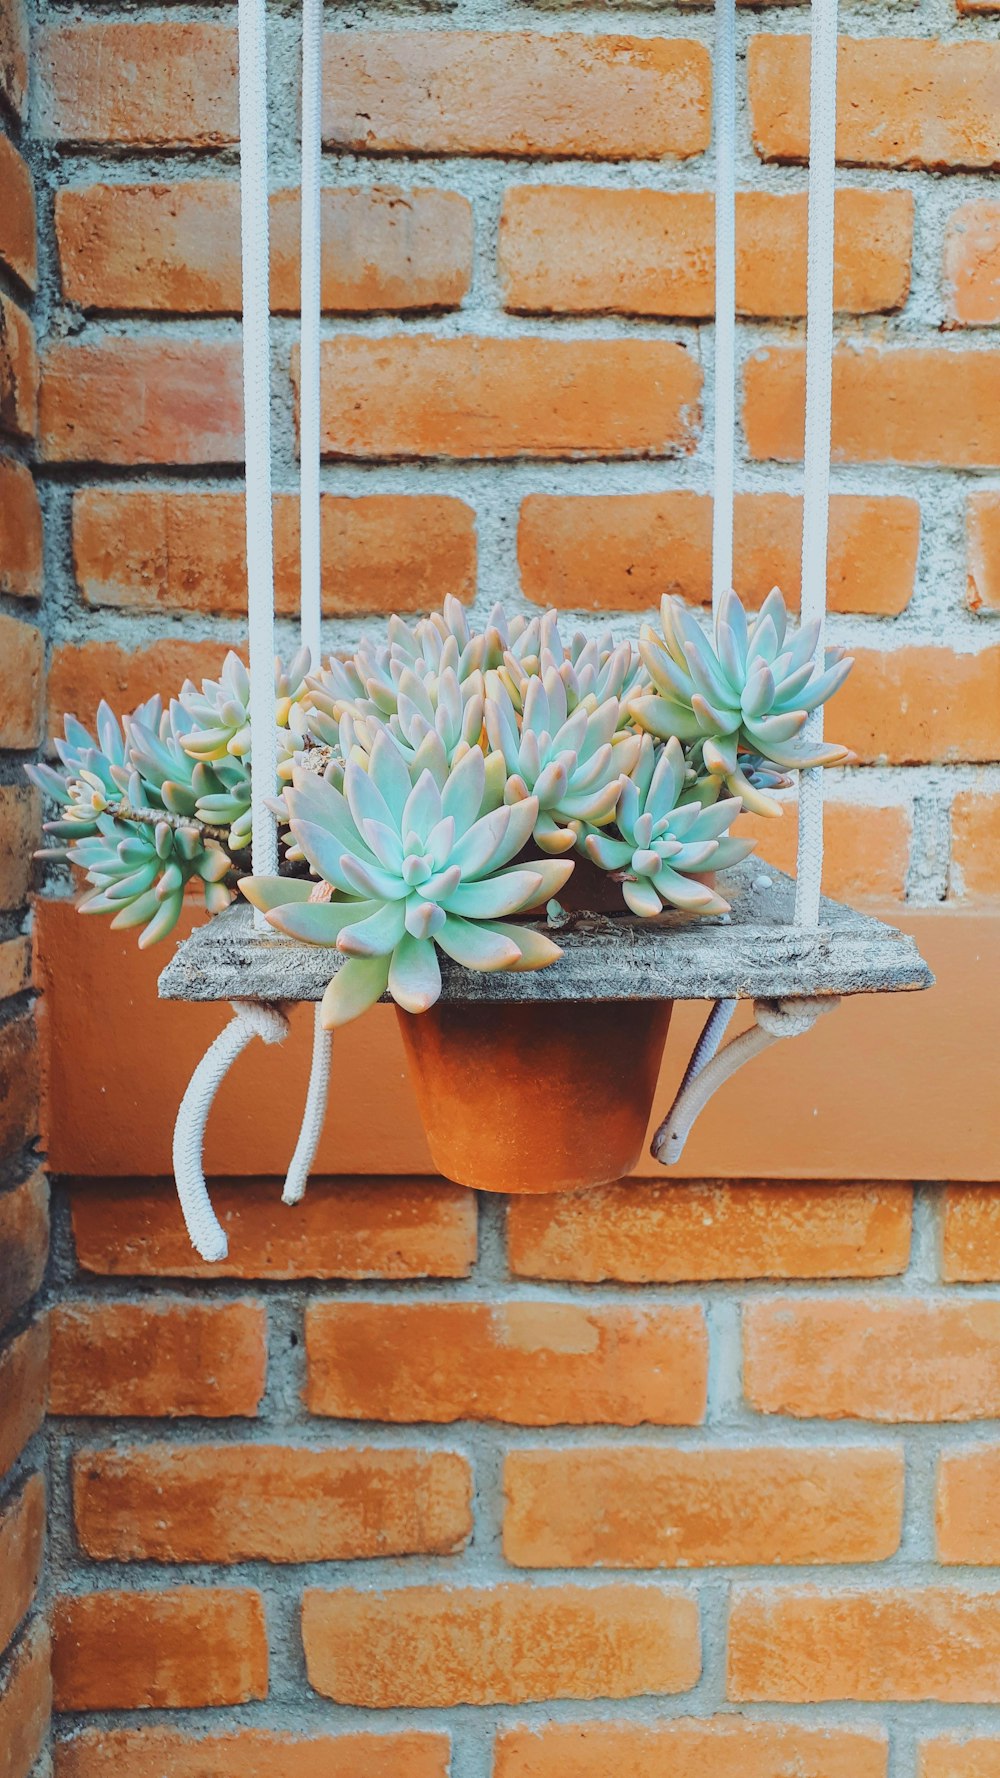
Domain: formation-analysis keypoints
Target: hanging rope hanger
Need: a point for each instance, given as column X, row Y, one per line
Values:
column 252, row 1018
column 709, row 1066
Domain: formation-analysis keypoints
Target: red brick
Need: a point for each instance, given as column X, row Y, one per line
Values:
column 344, row 1228
column 656, row 1508
column 908, row 404
column 24, row 1243
column 177, row 248
column 24, row 1365
column 975, row 846
column 581, row 250
column 901, row 101
column 80, row 676
column 516, row 93
column 968, row 1507
column 949, row 1758
column 15, row 966
column 442, row 1646
column 143, row 401
column 253, row 1753
column 158, row 1358
column 983, row 536
column 191, row 1647
column 19, row 1084
column 156, row 550
column 20, row 830
column 892, row 1360
column 20, row 532
column 22, row 1546
column 717, row 1747
column 914, row 706
column 271, row 1503
column 22, row 671
column 972, row 263
column 13, row 55
column 25, row 1697
column 527, row 1363
column 866, row 850
column 971, row 1243
column 484, row 398
column 622, row 552
column 17, row 221
column 18, row 371
column 162, row 85
column 894, row 1645
column 646, row 1233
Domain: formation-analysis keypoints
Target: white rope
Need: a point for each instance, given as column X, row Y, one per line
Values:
column 709, row 1066
column 309, row 370
column 257, row 427
column 250, row 1019
column 724, row 406
column 724, row 399
column 819, row 392
column 313, row 1115
column 774, row 1019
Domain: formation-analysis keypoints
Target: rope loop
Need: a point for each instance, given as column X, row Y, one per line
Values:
column 251, row 1018
column 773, row 1020
column 791, row 1018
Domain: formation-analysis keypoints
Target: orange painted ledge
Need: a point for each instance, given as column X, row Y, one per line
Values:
column 890, row 1087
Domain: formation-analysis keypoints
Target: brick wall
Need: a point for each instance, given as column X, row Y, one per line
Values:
column 698, row 1478
column 25, row 1686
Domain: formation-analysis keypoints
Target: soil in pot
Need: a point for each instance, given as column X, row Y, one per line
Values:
column 534, row 1097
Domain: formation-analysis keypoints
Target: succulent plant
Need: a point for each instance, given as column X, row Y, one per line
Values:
column 661, row 843
column 412, row 868
column 571, row 766
column 749, row 694
column 139, row 873
column 412, row 777
column 591, row 669
column 219, row 710
column 94, row 773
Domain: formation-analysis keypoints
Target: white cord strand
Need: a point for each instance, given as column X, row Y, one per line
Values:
column 709, row 1066
column 772, row 1020
column 313, row 1115
column 724, row 428
column 257, row 426
column 309, row 362
column 819, row 402
column 250, row 1019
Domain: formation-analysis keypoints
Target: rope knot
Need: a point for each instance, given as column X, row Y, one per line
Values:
column 792, row 1017
column 262, row 1020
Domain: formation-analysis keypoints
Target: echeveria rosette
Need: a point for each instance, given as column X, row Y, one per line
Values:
column 139, row 873
column 219, row 710
column 91, row 773
column 571, row 766
column 369, row 683
column 662, row 844
column 413, row 868
column 751, row 693
column 592, row 669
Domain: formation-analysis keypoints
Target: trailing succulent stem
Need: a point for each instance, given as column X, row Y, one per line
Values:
column 419, row 780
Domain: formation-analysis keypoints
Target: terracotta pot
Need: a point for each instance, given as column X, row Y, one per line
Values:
column 536, row 1097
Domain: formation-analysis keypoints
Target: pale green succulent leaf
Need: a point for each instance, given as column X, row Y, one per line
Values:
column 476, row 945
column 376, row 935
column 357, row 985
column 493, row 897
column 415, row 974
column 318, row 922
